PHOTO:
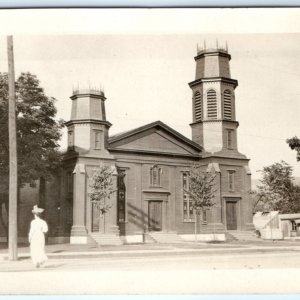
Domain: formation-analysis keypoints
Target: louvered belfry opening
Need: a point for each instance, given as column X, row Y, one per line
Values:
column 227, row 105
column 198, row 106
column 212, row 112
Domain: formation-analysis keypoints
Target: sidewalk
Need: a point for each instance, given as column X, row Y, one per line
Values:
column 73, row 251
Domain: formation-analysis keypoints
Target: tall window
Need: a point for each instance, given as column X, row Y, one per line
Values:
column 212, row 112
column 188, row 212
column 198, row 106
column 155, row 176
column 121, row 196
column 97, row 135
column 227, row 105
column 229, row 138
column 231, row 180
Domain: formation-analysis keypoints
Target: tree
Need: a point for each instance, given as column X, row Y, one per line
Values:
column 200, row 191
column 102, row 187
column 38, row 133
column 277, row 190
column 294, row 144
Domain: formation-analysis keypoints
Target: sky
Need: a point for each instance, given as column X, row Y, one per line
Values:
column 144, row 60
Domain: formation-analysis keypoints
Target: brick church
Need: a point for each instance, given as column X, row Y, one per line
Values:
column 151, row 165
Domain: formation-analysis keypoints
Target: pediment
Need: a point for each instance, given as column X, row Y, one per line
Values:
column 156, row 137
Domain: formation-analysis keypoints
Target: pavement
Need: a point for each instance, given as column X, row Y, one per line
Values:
column 80, row 251
column 236, row 267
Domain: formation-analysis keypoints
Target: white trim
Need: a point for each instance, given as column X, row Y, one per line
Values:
column 78, row 240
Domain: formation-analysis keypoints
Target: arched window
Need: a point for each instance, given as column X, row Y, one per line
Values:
column 155, row 178
column 212, row 112
column 227, row 105
column 198, row 106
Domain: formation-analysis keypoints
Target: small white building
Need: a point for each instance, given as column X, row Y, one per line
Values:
column 290, row 225
column 275, row 226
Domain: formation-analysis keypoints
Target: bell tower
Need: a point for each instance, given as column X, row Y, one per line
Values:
column 87, row 149
column 88, row 128
column 214, row 124
column 214, row 128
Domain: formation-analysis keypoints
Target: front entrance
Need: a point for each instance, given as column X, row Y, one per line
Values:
column 231, row 218
column 155, row 215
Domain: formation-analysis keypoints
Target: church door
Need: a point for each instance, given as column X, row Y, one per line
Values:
column 155, row 215
column 231, row 218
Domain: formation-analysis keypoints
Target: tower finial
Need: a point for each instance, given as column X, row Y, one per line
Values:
column 217, row 43
column 226, row 46
column 197, row 48
column 204, row 44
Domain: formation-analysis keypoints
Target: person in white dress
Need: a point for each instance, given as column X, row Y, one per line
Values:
column 38, row 228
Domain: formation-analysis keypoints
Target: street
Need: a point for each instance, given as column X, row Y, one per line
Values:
column 178, row 271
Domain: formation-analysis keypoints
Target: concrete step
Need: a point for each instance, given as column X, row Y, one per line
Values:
column 241, row 235
column 104, row 239
column 165, row 237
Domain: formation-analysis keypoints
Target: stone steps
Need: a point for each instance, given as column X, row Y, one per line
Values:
column 105, row 239
column 241, row 235
column 165, row 237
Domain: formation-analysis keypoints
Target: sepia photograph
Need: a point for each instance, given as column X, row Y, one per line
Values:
column 150, row 151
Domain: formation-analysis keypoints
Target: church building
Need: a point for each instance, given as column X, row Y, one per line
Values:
column 151, row 166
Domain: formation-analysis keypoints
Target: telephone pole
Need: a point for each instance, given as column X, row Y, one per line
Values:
column 13, row 169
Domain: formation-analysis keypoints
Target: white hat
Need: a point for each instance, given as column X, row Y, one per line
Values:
column 36, row 210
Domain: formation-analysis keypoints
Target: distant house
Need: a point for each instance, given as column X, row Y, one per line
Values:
column 273, row 225
column 290, row 225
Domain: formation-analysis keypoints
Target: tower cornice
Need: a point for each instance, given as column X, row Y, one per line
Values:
column 212, row 52
column 234, row 82
column 216, row 121
column 88, row 121
column 87, row 94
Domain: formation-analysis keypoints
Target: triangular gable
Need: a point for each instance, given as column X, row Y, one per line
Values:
column 155, row 137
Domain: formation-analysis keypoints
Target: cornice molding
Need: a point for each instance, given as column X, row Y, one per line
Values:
column 88, row 121
column 212, row 53
column 231, row 81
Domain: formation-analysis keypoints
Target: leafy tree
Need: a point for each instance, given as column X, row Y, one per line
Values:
column 102, row 187
column 294, row 144
column 201, row 191
column 38, row 133
column 277, row 190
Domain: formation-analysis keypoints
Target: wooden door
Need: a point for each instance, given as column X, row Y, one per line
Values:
column 95, row 218
column 231, row 218
column 155, row 215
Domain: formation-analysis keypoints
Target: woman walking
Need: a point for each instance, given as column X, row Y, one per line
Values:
column 38, row 228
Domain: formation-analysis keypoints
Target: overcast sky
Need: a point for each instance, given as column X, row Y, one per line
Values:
column 146, row 68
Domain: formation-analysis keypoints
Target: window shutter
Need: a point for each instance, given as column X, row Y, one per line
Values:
column 212, row 112
column 227, row 105
column 198, row 106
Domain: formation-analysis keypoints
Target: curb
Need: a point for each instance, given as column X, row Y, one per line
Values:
column 26, row 255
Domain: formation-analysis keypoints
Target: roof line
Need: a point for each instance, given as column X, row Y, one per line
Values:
column 132, row 132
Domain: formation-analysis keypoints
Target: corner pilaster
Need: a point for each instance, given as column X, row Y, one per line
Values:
column 78, row 231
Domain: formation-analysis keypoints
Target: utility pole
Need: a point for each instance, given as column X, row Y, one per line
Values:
column 13, row 169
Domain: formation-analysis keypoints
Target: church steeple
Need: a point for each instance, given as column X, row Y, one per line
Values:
column 214, row 121
column 88, row 128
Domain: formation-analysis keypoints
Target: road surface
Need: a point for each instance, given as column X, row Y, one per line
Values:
column 232, row 271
